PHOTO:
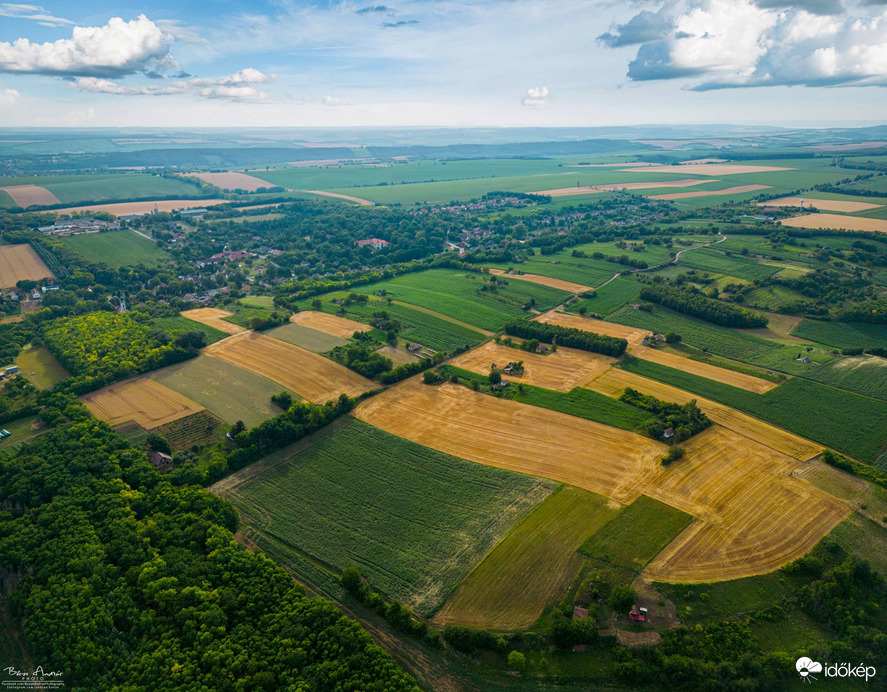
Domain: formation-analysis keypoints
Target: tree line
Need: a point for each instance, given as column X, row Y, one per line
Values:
column 567, row 336
column 690, row 301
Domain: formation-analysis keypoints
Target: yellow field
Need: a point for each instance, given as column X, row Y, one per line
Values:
column 614, row 381
column 213, row 318
column 329, row 324
column 517, row 437
column 588, row 324
column 230, row 180
column 827, row 204
column 337, row 195
column 568, row 286
column 753, row 517
column 309, row 375
column 715, row 169
column 144, row 401
column 712, row 372
column 847, row 223
column 712, row 193
column 607, row 187
column 124, row 208
column 562, row 370
column 29, row 195
column 18, row 262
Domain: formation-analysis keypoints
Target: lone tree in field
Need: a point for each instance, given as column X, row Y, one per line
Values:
column 622, row 598
column 495, row 377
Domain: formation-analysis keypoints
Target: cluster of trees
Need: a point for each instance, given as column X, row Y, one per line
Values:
column 686, row 420
column 360, row 356
column 402, row 372
column 874, row 311
column 395, row 613
column 120, row 580
column 101, row 347
column 870, row 473
column 692, row 302
column 567, row 336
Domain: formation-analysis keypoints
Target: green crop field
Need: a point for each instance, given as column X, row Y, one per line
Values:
column 865, row 539
column 637, row 534
column 413, row 520
column 609, row 298
column 312, row 339
column 40, row 367
column 861, row 374
column 853, row 424
column 772, row 297
column 590, row 272
column 266, row 302
column 843, row 334
column 428, row 330
column 70, row 189
column 532, row 567
column 179, row 323
column 706, row 259
column 116, row 248
column 720, row 340
column 6, row 201
column 230, row 392
column 458, row 295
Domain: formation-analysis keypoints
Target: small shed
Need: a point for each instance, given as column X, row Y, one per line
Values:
column 669, row 432
column 161, row 460
column 805, row 359
column 580, row 612
column 414, row 347
column 635, row 616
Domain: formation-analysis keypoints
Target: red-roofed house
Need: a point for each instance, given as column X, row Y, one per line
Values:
column 375, row 243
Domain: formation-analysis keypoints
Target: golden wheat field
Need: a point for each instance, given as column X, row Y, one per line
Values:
column 30, row 195
column 309, row 375
column 846, row 223
column 827, row 204
column 712, row 372
column 614, row 381
column 213, row 318
column 124, row 208
column 144, row 401
column 752, row 516
column 18, row 262
column 568, row 286
column 517, row 437
column 711, row 193
column 329, row 324
column 588, row 324
column 562, row 370
column 231, row 180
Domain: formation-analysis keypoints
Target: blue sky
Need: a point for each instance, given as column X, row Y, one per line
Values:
column 441, row 62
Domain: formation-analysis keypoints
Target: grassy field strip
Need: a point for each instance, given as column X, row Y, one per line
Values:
column 514, row 436
column 568, row 286
column 712, row 372
column 330, row 324
column 179, row 323
column 445, row 318
column 755, row 516
column 117, row 248
column 413, row 520
column 614, row 381
column 311, row 376
column 867, row 499
column 306, row 337
column 589, row 324
column 141, row 400
column 213, row 317
column 40, row 366
column 562, row 370
column 531, row 567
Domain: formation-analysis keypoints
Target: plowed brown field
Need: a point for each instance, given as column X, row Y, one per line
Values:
column 754, row 517
column 827, row 204
column 711, row 193
column 338, row 195
column 847, row 223
column 562, row 370
column 712, row 372
column 309, row 375
column 568, row 286
column 30, row 195
column 213, row 318
column 329, row 324
column 588, row 324
column 509, row 435
column 19, row 262
column 231, row 180
column 144, row 401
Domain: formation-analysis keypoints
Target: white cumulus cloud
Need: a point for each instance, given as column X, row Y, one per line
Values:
column 235, row 87
column 333, row 102
column 537, row 97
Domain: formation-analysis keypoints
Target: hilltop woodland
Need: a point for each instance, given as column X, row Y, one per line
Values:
column 124, row 577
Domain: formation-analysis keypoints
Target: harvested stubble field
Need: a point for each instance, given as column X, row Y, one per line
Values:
column 30, row 195
column 614, row 381
column 212, row 317
column 711, row 193
column 231, row 180
column 141, row 400
column 517, row 437
column 588, row 324
column 839, row 221
column 568, row 286
column 754, row 516
column 712, row 372
column 714, row 169
column 20, row 262
column 532, row 566
column 609, row 187
column 562, row 370
column 331, row 324
column 338, row 195
column 846, row 206
column 309, row 375
column 124, row 208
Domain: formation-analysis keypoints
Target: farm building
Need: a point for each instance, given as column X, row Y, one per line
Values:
column 375, row 243
column 414, row 347
column 160, row 460
column 580, row 612
column 669, row 432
